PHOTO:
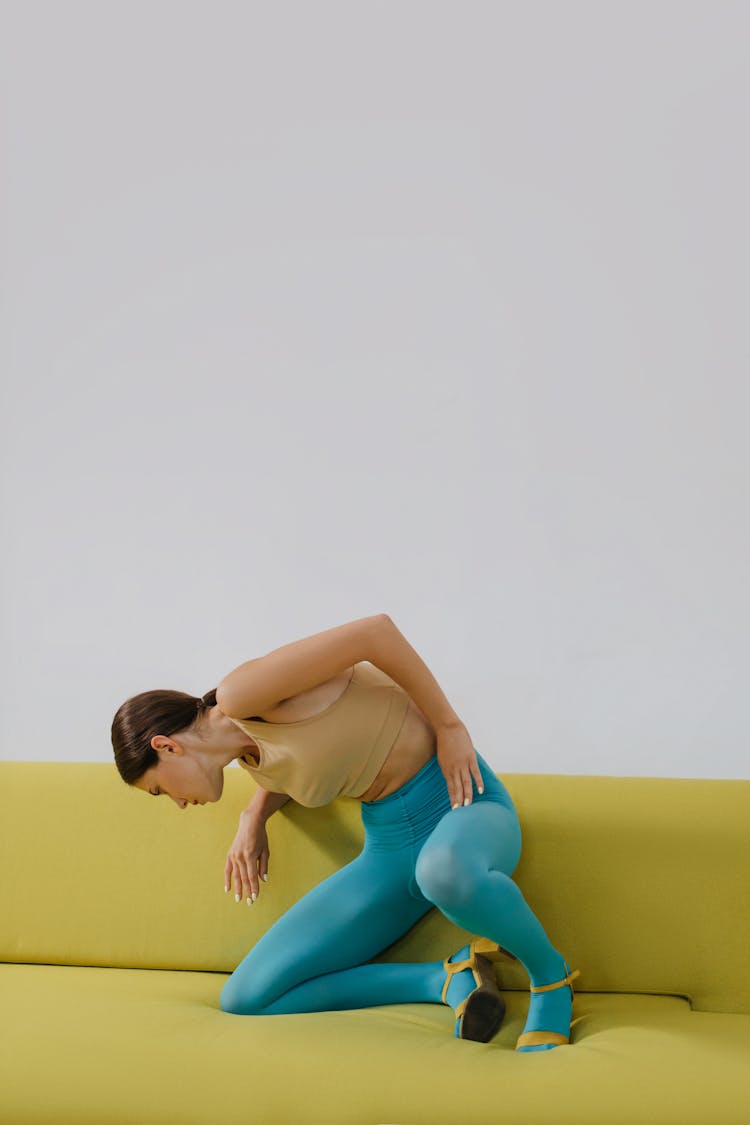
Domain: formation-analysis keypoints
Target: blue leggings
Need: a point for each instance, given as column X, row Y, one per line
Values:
column 418, row 853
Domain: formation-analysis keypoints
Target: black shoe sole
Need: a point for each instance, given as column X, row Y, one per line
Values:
column 483, row 1014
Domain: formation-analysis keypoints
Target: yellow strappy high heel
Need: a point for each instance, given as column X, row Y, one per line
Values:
column 535, row 1038
column 479, row 1016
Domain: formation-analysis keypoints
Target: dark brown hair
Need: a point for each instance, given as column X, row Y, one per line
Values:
column 143, row 716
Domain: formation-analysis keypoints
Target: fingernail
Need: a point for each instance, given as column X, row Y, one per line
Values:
column 467, row 800
column 454, row 807
column 250, row 902
column 226, row 888
column 265, row 878
column 481, row 789
column 236, row 898
column 254, row 896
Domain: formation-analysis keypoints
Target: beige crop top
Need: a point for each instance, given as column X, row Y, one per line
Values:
column 337, row 753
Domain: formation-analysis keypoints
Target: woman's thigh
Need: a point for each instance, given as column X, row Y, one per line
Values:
column 465, row 844
column 345, row 920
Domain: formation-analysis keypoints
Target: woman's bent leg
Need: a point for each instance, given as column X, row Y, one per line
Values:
column 464, row 868
column 311, row 959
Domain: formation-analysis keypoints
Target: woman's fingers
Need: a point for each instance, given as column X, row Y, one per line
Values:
column 234, row 880
column 247, row 859
column 237, row 872
column 249, row 880
column 460, row 788
column 456, row 789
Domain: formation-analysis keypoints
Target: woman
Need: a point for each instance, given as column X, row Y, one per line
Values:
column 354, row 711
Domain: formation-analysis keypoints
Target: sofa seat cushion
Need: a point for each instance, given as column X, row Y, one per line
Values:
column 84, row 1045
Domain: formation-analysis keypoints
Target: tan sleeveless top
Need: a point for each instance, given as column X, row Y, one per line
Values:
column 337, row 753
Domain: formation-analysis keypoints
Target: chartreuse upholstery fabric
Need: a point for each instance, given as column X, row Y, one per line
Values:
column 116, row 939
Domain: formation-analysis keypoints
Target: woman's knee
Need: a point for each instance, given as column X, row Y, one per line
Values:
column 239, row 1000
column 448, row 879
column 443, row 877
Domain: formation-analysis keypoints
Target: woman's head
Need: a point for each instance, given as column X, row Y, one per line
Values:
column 171, row 743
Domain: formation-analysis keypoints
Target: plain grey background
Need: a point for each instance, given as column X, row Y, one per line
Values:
column 317, row 310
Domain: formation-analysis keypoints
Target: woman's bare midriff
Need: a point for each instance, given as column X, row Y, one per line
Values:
column 414, row 746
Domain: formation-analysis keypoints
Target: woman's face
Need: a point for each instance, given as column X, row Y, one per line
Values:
column 183, row 776
column 190, row 769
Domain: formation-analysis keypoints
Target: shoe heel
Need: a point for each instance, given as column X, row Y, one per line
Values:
column 491, row 950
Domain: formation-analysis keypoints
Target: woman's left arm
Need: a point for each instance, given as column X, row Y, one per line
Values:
column 456, row 756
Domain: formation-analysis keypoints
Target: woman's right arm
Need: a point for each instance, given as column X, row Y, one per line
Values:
column 265, row 804
column 247, row 858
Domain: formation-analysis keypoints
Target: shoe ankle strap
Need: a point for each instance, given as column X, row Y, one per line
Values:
column 558, row 983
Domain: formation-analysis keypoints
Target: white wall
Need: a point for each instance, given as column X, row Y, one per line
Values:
column 312, row 311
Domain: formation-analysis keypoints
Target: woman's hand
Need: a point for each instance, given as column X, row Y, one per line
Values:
column 247, row 859
column 458, row 760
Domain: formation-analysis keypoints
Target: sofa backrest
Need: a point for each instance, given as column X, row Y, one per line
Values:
column 641, row 883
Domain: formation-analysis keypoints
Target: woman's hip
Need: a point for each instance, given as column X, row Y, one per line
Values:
column 410, row 813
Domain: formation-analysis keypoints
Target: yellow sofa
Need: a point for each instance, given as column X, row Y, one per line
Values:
column 117, row 937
